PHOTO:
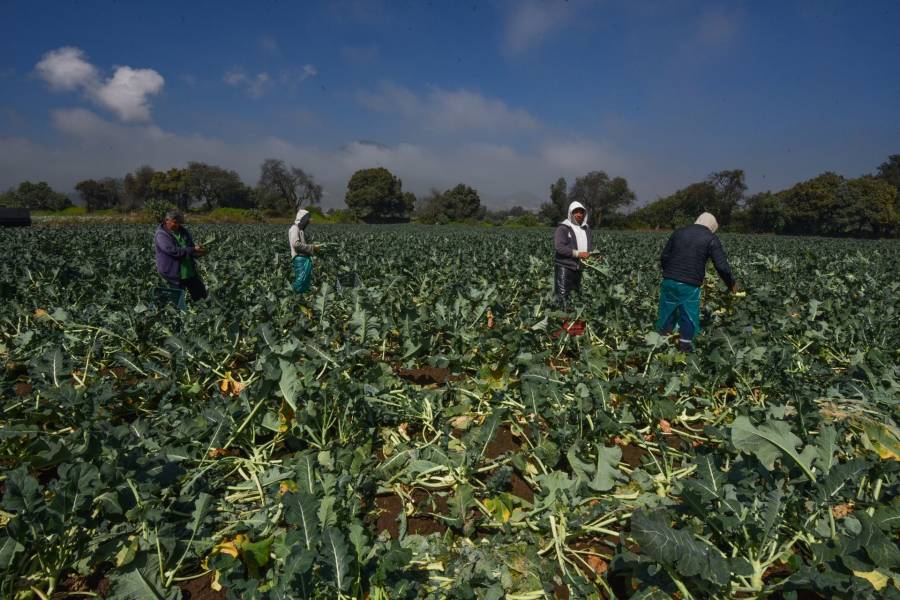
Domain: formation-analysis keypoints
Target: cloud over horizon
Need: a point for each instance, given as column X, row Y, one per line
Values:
column 96, row 147
column 447, row 110
column 126, row 93
column 260, row 84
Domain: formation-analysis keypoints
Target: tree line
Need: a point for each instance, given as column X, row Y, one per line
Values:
column 829, row 204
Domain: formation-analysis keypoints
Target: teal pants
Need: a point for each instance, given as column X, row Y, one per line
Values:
column 302, row 273
column 679, row 303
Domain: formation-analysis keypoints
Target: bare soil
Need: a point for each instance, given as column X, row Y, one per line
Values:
column 427, row 375
column 199, row 589
column 422, row 522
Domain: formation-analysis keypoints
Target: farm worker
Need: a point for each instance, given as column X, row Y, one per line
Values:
column 573, row 244
column 683, row 269
column 175, row 254
column 301, row 252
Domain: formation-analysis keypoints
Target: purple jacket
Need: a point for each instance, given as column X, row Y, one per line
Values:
column 169, row 254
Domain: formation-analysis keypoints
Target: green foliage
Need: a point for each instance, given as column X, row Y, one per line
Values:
column 460, row 203
column 889, row 171
column 555, row 211
column 601, row 195
column 719, row 194
column 156, row 208
column 214, row 186
column 100, row 195
column 35, row 196
column 136, row 188
column 282, row 190
column 316, row 447
column 171, row 186
column 376, row 196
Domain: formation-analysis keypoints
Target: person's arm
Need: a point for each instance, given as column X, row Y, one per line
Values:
column 300, row 244
column 720, row 261
column 666, row 253
column 166, row 244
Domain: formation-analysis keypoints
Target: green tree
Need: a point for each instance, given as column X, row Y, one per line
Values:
column 430, row 209
column 762, row 213
column 376, row 196
column 282, row 188
column 215, row 186
column 720, row 194
column 100, row 195
column 171, row 186
column 136, row 189
column 35, row 196
column 461, row 202
column 601, row 195
column 889, row 170
column 729, row 193
column 555, row 211
column 866, row 207
column 809, row 205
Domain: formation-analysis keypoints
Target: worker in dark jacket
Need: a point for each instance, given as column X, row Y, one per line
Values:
column 573, row 244
column 683, row 269
column 175, row 254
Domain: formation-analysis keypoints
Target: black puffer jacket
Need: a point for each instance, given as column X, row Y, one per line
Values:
column 685, row 255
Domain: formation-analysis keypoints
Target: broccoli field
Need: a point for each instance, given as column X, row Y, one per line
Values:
column 420, row 425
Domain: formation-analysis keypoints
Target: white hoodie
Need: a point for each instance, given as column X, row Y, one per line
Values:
column 579, row 230
column 296, row 236
column 708, row 221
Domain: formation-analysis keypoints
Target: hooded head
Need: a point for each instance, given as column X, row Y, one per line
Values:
column 708, row 221
column 572, row 208
column 302, row 218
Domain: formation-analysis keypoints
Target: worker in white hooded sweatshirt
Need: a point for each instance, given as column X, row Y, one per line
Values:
column 573, row 245
column 301, row 252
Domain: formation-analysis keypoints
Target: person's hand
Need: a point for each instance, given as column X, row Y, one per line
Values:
column 199, row 250
column 736, row 288
column 584, row 255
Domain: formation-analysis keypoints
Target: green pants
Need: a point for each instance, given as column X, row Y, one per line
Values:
column 679, row 303
column 302, row 273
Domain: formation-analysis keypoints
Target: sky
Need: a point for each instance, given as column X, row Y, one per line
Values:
column 504, row 95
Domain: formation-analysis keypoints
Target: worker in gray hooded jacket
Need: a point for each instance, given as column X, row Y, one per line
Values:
column 573, row 245
column 301, row 252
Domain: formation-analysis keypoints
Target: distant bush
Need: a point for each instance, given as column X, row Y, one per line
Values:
column 156, row 208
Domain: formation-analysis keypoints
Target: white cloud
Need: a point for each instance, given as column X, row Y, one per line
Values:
column 530, row 22
column 92, row 146
column 126, row 93
column 448, row 110
column 260, row 84
column 583, row 156
column 67, row 69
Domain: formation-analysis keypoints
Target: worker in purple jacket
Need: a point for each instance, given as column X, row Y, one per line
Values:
column 175, row 254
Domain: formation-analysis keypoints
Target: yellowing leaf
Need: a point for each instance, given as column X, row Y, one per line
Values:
column 230, row 386
column 500, row 507
column 878, row 579
column 230, row 547
column 881, row 440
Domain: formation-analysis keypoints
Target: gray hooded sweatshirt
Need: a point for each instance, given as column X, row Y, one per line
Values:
column 566, row 240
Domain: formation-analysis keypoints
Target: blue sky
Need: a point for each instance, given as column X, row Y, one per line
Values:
column 504, row 95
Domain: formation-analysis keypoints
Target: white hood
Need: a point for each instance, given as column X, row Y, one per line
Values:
column 708, row 221
column 572, row 208
column 302, row 218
